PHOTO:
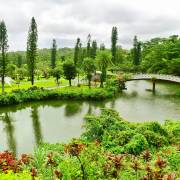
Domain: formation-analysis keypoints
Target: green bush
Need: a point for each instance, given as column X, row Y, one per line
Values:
column 137, row 144
column 152, row 126
column 154, row 139
column 37, row 94
column 117, row 134
column 25, row 175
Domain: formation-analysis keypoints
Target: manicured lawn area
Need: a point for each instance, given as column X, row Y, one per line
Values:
column 46, row 83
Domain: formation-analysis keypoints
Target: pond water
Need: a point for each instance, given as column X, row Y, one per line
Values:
column 23, row 127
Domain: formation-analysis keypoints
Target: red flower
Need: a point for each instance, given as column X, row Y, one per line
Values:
column 33, row 172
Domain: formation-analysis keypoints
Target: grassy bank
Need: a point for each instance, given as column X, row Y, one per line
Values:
column 110, row 148
column 66, row 93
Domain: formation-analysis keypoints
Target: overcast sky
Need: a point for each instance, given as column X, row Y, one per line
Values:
column 66, row 20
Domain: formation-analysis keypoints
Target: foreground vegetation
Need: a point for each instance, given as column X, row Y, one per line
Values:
column 110, row 148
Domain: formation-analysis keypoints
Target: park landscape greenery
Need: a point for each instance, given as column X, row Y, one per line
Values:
column 110, row 147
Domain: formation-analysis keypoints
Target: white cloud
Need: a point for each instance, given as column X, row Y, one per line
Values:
column 68, row 19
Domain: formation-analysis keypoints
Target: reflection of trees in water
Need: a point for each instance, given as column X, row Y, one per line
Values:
column 113, row 103
column 90, row 109
column 93, row 106
column 9, row 128
column 73, row 108
column 128, row 95
column 36, row 125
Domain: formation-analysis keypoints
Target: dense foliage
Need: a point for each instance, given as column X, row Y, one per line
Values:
column 37, row 94
column 162, row 55
column 110, row 148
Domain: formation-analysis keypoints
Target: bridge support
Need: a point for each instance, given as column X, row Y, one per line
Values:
column 153, row 85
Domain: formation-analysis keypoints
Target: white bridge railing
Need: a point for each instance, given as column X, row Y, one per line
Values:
column 157, row 76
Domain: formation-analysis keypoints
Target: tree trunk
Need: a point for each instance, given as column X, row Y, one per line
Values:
column 3, row 83
column 57, row 80
column 101, row 85
column 32, row 79
column 78, row 79
column 89, row 83
column 154, row 86
column 69, row 82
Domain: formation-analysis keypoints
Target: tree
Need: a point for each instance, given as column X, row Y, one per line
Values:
column 57, row 72
column 89, row 45
column 21, row 73
column 53, row 54
column 11, row 70
column 114, row 38
column 103, row 61
column 102, row 47
column 19, row 61
column 3, row 48
column 93, row 49
column 32, row 49
column 89, row 67
column 69, row 70
column 120, row 55
column 76, row 51
column 63, row 58
column 136, row 51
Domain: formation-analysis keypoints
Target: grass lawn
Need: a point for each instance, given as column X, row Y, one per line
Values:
column 24, row 84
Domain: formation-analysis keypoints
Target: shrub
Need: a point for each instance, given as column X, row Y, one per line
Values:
column 152, row 126
column 25, row 175
column 154, row 139
column 137, row 144
column 37, row 94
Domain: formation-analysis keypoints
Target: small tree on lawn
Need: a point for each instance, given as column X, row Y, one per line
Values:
column 89, row 67
column 57, row 73
column 103, row 61
column 69, row 70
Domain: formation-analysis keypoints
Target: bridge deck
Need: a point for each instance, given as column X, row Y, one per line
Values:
column 162, row 77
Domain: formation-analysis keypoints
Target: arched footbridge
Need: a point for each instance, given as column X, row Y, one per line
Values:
column 154, row 78
column 161, row 77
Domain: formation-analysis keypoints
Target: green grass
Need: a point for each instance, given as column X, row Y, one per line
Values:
column 46, row 83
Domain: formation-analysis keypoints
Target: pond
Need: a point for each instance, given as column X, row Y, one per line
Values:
column 23, row 127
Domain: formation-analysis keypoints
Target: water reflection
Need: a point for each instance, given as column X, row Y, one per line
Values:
column 90, row 108
column 72, row 108
column 36, row 125
column 9, row 129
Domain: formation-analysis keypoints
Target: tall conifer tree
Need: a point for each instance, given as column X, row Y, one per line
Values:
column 93, row 49
column 53, row 54
column 76, row 51
column 3, row 54
column 114, row 38
column 32, row 49
column 89, row 45
column 136, row 51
